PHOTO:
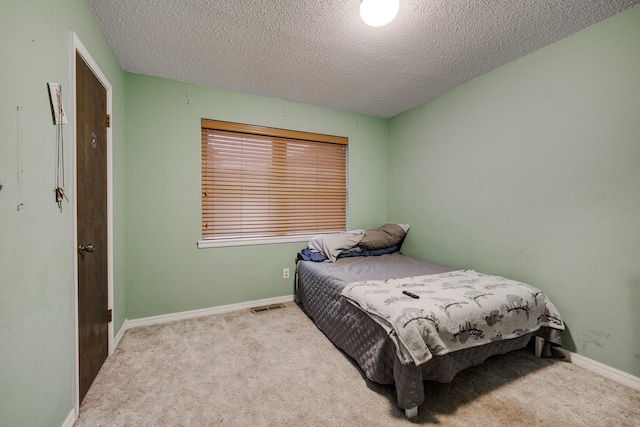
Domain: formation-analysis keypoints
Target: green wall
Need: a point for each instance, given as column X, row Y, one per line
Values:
column 532, row 171
column 166, row 273
column 36, row 251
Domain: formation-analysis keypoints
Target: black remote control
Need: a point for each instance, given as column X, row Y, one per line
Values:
column 411, row 294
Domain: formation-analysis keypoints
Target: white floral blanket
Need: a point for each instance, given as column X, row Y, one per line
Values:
column 456, row 310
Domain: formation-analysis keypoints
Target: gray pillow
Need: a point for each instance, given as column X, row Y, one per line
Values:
column 332, row 244
column 383, row 237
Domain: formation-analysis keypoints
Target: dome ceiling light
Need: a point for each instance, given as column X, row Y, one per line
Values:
column 378, row 13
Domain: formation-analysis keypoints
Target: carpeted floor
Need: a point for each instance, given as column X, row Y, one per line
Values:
column 277, row 369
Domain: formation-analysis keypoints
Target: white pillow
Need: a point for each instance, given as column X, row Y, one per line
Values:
column 332, row 244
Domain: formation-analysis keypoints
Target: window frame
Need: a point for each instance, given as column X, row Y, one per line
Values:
column 224, row 126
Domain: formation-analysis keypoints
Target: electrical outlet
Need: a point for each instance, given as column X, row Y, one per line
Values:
column 285, row 273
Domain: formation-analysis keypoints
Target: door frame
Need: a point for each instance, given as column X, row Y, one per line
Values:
column 77, row 46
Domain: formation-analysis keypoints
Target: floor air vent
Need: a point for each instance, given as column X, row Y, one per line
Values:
column 266, row 308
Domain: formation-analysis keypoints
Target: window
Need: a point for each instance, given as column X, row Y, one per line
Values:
column 260, row 182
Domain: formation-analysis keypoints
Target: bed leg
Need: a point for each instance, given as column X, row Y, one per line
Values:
column 411, row 412
column 539, row 345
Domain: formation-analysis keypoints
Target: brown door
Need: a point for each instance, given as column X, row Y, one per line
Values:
column 91, row 175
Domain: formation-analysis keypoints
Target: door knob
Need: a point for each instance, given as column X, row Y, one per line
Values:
column 86, row 248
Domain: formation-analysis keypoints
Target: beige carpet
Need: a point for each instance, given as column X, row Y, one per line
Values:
column 277, row 369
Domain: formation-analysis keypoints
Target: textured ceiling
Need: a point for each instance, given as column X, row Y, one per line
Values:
column 320, row 52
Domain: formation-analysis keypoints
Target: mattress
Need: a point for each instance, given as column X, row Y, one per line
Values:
column 318, row 291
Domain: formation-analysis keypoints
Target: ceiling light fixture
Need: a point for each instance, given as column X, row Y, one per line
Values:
column 377, row 13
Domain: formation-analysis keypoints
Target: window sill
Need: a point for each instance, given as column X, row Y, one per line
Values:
column 204, row 244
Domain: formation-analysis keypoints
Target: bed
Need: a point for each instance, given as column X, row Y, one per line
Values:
column 319, row 291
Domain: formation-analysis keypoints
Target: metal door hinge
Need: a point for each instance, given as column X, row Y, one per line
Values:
column 108, row 120
column 110, row 315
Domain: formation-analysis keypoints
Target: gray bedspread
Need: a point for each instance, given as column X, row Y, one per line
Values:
column 319, row 288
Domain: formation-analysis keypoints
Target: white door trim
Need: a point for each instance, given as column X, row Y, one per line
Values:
column 77, row 46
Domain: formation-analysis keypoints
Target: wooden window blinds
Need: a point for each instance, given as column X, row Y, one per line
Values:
column 267, row 182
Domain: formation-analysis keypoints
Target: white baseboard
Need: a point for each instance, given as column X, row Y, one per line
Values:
column 71, row 419
column 601, row 369
column 164, row 318
column 120, row 334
